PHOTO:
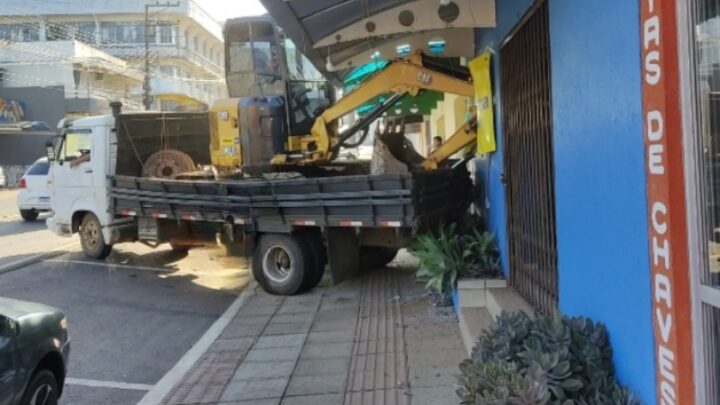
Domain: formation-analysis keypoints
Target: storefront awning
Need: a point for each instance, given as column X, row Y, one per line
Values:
column 341, row 35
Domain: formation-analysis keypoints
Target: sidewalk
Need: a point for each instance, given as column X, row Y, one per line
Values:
column 373, row 340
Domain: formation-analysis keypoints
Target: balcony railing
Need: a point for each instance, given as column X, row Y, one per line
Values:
column 137, row 51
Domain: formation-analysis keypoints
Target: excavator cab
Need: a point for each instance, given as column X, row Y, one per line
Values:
column 275, row 92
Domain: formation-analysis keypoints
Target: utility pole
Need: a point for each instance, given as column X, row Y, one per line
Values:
column 147, row 98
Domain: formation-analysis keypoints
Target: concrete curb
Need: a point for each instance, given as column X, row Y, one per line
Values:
column 19, row 264
column 163, row 387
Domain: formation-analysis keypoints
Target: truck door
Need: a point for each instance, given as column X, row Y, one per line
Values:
column 73, row 173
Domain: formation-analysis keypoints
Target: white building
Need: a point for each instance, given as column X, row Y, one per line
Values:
column 94, row 51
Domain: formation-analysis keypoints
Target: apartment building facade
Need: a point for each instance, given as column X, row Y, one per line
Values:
column 94, row 51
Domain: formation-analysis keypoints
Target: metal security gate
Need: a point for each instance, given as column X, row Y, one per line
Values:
column 529, row 167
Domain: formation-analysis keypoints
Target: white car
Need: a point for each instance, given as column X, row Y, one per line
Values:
column 34, row 195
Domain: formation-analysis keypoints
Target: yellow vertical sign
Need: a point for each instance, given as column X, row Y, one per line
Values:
column 480, row 71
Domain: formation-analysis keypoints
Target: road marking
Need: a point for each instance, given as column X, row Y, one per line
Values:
column 171, row 378
column 18, row 264
column 108, row 384
column 113, row 265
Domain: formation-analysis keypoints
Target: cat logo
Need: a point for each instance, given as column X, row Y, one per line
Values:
column 424, row 77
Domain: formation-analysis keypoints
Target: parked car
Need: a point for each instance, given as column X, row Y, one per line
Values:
column 34, row 195
column 34, row 350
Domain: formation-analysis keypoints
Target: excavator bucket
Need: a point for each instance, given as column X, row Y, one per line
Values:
column 392, row 152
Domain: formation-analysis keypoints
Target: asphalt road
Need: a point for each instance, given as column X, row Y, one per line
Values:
column 19, row 239
column 131, row 318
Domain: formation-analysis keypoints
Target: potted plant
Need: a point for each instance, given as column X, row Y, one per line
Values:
column 448, row 256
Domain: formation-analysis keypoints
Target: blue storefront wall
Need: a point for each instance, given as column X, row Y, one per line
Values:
column 603, row 259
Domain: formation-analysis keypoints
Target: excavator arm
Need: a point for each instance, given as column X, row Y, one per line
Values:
column 406, row 76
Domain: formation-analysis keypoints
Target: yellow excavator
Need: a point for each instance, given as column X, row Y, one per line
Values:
column 282, row 112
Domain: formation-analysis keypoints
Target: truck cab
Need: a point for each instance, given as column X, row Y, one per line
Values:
column 82, row 157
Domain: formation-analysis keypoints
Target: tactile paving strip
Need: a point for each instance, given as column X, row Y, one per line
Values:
column 378, row 368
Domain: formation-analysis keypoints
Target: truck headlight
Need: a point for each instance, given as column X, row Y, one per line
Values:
column 63, row 324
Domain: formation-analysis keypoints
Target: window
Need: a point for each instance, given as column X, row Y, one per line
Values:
column 187, row 39
column 168, row 70
column 112, row 33
column 28, row 33
column 6, row 32
column 40, row 168
column 122, row 33
column 195, row 43
column 166, row 34
column 59, row 32
column 76, row 143
column 85, row 32
column 134, row 33
column 204, row 49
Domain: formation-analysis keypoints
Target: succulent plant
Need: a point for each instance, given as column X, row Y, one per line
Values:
column 546, row 360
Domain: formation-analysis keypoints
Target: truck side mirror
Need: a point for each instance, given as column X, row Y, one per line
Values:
column 50, row 150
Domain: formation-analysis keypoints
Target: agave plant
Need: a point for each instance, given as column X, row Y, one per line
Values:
column 447, row 256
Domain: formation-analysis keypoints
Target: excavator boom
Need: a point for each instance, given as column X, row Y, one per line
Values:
column 411, row 75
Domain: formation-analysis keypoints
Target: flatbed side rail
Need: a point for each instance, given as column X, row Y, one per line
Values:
column 398, row 201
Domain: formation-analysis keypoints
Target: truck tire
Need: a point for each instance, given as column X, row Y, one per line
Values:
column 375, row 257
column 179, row 248
column 29, row 215
column 314, row 246
column 91, row 238
column 281, row 264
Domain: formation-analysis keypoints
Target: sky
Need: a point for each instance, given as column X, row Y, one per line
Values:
column 224, row 9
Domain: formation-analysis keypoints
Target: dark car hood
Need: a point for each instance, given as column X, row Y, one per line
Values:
column 18, row 309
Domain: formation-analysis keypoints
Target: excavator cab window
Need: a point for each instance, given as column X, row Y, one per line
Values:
column 253, row 60
column 309, row 94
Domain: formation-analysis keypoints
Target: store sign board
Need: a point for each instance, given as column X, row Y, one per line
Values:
column 666, row 203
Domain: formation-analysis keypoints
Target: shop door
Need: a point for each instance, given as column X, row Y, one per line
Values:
column 529, row 168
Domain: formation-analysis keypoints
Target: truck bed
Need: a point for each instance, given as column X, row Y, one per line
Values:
column 414, row 201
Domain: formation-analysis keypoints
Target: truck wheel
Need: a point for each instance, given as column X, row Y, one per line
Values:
column 179, row 248
column 91, row 238
column 374, row 257
column 281, row 264
column 29, row 215
column 314, row 246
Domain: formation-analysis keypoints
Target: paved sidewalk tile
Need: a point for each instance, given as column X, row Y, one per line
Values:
column 337, row 365
column 317, row 384
column 368, row 341
column 325, row 399
column 326, row 350
column 254, row 389
column 266, row 342
column 270, row 369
